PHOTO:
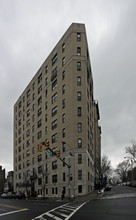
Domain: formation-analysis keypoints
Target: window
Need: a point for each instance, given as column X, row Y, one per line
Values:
column 28, row 93
column 63, row 61
column 28, row 143
column 19, row 122
column 54, row 59
column 64, row 177
column 54, row 85
column 79, row 174
column 54, row 111
column 79, row 158
column 39, row 112
column 54, row 151
column 33, row 107
column 39, row 100
column 63, row 75
column 54, row 178
column 54, row 124
column 39, row 135
column 46, row 69
column 33, row 86
column 54, row 165
column 28, row 133
column 54, row 98
column 63, row 147
column 33, row 150
column 19, row 166
column 63, row 118
column 39, row 78
column 19, row 149
column 28, row 153
column 63, row 132
column 28, row 173
column 63, row 89
column 54, row 138
column 39, row 181
column 78, row 36
column 64, row 162
column 63, row 103
column 39, row 123
column 78, row 81
column 46, row 118
column 40, row 169
column 28, row 103
column 79, row 142
column 54, row 73
column 28, row 163
column 39, row 89
column 79, row 111
column 28, row 112
column 78, row 65
column 19, row 105
column 79, row 96
column 63, row 47
column 79, row 127
column 19, row 158
column 39, row 158
column 80, row 189
column 46, row 93
column 79, row 51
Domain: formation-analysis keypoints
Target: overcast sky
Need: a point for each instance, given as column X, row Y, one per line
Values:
column 29, row 30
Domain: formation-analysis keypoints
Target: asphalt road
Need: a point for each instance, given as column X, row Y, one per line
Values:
column 117, row 204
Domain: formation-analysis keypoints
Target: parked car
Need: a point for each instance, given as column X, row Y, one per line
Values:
column 108, row 187
column 20, row 195
column 133, row 183
column 4, row 195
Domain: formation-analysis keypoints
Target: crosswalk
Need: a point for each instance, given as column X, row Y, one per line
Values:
column 63, row 212
column 116, row 196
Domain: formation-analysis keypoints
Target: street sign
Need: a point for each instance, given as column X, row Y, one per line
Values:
column 48, row 153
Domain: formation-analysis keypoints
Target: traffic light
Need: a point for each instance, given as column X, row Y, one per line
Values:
column 40, row 147
column 58, row 153
column 47, row 145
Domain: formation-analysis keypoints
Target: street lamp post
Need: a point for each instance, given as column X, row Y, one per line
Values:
column 69, row 174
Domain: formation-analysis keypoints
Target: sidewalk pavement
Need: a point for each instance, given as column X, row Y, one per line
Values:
column 91, row 196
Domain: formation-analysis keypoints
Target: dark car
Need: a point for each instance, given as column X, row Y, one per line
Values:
column 108, row 187
column 133, row 183
column 20, row 195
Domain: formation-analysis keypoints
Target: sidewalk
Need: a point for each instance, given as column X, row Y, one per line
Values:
column 91, row 196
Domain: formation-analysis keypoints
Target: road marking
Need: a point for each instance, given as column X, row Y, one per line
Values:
column 12, row 207
column 8, row 213
column 54, row 213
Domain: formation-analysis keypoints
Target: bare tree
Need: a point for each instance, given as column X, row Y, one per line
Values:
column 106, row 168
column 132, row 150
column 121, row 170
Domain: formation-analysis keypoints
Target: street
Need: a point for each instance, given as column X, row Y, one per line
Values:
column 117, row 204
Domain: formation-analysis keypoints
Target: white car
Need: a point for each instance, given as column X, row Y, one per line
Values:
column 4, row 195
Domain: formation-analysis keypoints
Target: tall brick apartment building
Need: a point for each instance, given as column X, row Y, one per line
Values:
column 58, row 106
